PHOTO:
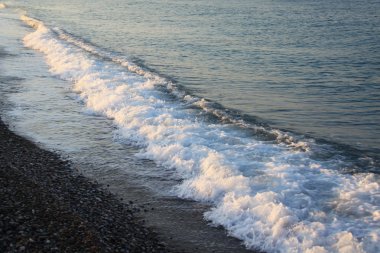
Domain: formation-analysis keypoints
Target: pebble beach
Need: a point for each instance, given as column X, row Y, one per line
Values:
column 48, row 207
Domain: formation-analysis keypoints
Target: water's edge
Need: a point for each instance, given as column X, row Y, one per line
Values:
column 179, row 223
column 263, row 185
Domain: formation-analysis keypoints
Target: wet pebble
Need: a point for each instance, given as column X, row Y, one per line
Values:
column 47, row 207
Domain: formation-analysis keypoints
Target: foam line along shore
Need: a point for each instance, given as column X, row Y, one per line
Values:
column 271, row 195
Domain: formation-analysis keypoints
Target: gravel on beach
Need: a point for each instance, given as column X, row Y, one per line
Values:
column 45, row 206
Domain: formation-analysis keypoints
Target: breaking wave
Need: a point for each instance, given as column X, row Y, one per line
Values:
column 269, row 192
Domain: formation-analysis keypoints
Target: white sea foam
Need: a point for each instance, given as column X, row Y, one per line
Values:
column 195, row 101
column 273, row 197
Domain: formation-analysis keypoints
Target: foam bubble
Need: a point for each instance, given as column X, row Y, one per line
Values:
column 273, row 197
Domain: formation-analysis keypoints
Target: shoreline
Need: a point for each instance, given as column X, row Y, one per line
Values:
column 50, row 205
column 46, row 206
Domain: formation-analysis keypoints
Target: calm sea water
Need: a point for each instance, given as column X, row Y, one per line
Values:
column 268, row 110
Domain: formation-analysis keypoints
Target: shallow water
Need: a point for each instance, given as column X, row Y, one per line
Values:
column 275, row 190
column 43, row 109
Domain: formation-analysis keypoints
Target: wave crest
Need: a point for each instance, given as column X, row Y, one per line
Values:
column 272, row 196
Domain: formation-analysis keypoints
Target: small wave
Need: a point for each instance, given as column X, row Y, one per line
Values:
column 280, row 136
column 35, row 23
column 271, row 195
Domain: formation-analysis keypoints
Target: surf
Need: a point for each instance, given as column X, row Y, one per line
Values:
column 269, row 193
